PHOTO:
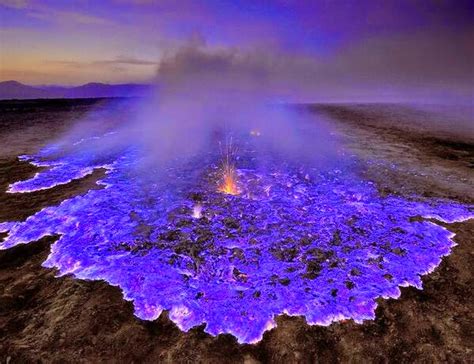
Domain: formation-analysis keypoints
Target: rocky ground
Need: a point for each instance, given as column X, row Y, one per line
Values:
column 48, row 319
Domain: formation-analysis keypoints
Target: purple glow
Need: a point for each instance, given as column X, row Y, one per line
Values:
column 324, row 247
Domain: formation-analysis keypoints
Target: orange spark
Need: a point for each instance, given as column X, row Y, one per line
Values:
column 229, row 185
column 229, row 175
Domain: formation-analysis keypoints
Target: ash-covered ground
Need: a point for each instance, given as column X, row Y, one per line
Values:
column 50, row 319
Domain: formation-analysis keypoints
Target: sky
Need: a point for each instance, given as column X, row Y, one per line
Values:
column 390, row 44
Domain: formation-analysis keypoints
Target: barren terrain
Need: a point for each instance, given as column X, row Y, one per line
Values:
column 48, row 319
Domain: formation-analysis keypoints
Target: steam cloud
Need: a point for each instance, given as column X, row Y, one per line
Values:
column 204, row 96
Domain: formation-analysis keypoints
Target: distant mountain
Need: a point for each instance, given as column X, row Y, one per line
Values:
column 17, row 90
column 92, row 90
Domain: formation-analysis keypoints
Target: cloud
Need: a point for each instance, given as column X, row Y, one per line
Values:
column 423, row 67
column 429, row 63
column 137, row 2
column 47, row 13
column 128, row 61
column 62, row 16
column 119, row 61
column 161, row 3
column 16, row 4
column 419, row 67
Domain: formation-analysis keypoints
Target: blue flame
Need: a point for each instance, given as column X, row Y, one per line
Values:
column 324, row 247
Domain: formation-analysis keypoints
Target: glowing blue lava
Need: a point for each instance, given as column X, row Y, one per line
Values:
column 323, row 247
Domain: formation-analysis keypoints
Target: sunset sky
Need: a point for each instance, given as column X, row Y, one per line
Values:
column 74, row 42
